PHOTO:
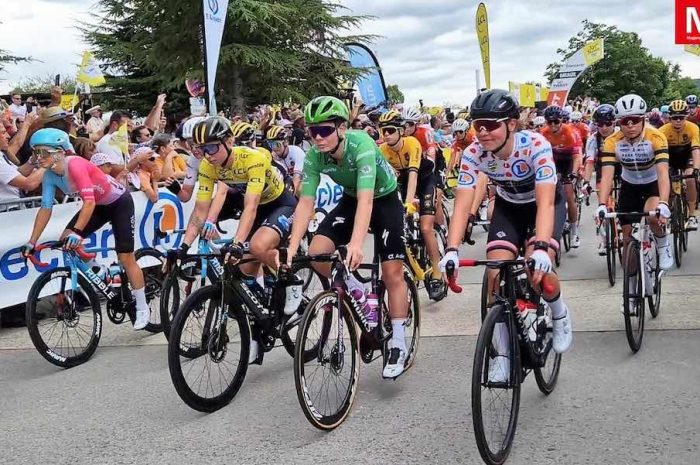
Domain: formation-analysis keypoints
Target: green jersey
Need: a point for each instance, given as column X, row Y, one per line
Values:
column 362, row 168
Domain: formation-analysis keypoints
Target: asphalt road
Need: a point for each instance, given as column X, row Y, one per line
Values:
column 610, row 406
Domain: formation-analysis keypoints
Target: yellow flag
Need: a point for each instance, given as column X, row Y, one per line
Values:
column 482, row 33
column 69, row 101
column 89, row 72
column 593, row 51
column 120, row 140
column 527, row 95
column 694, row 49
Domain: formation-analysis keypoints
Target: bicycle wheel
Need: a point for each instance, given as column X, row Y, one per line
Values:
column 64, row 324
column 684, row 236
column 633, row 300
column 495, row 405
column 547, row 376
column 412, row 325
column 484, row 294
column 610, row 250
column 314, row 284
column 445, row 213
column 208, row 350
column 654, row 300
column 677, row 227
column 326, row 385
column 178, row 284
column 151, row 263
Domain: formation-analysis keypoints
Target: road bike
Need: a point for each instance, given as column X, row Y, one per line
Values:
column 679, row 215
column 326, row 365
column 641, row 274
column 64, row 310
column 518, row 326
column 611, row 231
column 210, row 336
column 416, row 254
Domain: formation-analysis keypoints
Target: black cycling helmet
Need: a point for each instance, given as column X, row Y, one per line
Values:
column 605, row 113
column 496, row 104
column 553, row 112
column 212, row 129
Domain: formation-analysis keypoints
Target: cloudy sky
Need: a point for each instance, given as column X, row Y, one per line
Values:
column 428, row 48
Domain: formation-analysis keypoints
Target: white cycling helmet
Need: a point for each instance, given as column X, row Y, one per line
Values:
column 576, row 116
column 630, row 105
column 411, row 114
column 460, row 125
column 189, row 125
column 539, row 121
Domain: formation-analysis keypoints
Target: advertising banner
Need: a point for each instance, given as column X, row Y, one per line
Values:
column 482, row 34
column 214, row 21
column 571, row 69
column 371, row 84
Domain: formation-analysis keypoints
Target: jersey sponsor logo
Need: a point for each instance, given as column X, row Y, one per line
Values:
column 385, row 236
column 366, row 170
column 166, row 215
column 521, row 169
column 492, row 165
column 544, row 172
column 338, row 220
column 465, row 179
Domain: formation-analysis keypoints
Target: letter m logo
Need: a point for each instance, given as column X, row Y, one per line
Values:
column 687, row 21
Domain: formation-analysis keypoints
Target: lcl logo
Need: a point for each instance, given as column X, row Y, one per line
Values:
column 687, row 21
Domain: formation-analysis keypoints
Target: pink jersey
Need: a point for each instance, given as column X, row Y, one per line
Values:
column 83, row 178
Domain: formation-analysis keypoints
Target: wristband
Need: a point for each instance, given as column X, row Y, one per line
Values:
column 451, row 249
column 665, row 203
column 541, row 245
column 79, row 232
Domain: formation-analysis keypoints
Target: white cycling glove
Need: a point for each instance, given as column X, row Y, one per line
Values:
column 542, row 261
column 450, row 256
column 664, row 210
column 602, row 210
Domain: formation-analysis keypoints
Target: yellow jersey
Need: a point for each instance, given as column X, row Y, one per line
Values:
column 250, row 171
column 407, row 159
column 638, row 159
column 681, row 142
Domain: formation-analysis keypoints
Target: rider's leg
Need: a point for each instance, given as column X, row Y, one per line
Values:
column 428, row 193
column 691, row 192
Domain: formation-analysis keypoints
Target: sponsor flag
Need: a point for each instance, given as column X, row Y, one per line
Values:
column 572, row 68
column 214, row 20
column 371, row 84
column 482, row 34
column 694, row 49
column 120, row 140
column 89, row 73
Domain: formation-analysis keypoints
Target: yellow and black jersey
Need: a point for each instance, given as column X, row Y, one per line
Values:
column 638, row 159
column 681, row 142
column 249, row 171
column 408, row 158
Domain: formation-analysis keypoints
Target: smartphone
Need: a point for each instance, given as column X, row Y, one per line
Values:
column 57, row 80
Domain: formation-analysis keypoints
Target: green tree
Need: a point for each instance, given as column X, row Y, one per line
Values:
column 271, row 51
column 44, row 84
column 679, row 87
column 627, row 66
column 394, row 93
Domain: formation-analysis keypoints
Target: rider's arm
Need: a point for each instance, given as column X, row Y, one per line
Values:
column 482, row 182
column 695, row 146
column 414, row 156
column 608, row 162
column 411, row 186
column 366, row 179
column 545, row 191
column 302, row 216
column 85, row 214
column 42, row 219
column 577, row 156
column 464, row 197
column 696, row 158
column 660, row 146
column 217, row 202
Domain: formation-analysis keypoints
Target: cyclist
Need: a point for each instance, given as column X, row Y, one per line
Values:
column 417, row 184
column 370, row 199
column 692, row 101
column 290, row 158
column 566, row 147
column 463, row 136
column 104, row 201
column 604, row 119
column 664, row 114
column 529, row 207
column 539, row 123
column 642, row 150
column 578, row 124
column 184, row 190
column 684, row 152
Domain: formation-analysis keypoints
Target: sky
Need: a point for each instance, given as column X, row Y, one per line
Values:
column 428, row 48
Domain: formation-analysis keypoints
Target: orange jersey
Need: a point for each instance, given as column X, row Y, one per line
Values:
column 425, row 137
column 582, row 129
column 565, row 142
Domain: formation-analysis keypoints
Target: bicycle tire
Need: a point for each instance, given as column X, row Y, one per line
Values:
column 329, row 305
column 654, row 300
column 677, row 226
column 445, row 213
column 482, row 353
column 546, row 382
column 634, row 330
column 484, row 294
column 153, row 278
column 214, row 352
column 90, row 301
column 684, row 236
column 412, row 324
column 610, row 251
column 566, row 238
column 289, row 340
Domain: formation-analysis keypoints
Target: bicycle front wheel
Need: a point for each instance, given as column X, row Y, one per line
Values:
column 178, row 284
column 610, row 250
column 633, row 300
column 326, row 384
column 677, row 228
column 547, row 375
column 208, row 350
column 654, row 300
column 64, row 324
column 412, row 325
column 495, row 389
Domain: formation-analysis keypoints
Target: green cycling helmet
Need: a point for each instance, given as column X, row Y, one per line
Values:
column 322, row 109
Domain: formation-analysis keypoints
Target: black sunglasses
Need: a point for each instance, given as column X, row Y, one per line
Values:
column 625, row 120
column 553, row 121
column 459, row 131
column 604, row 124
column 321, row 131
column 389, row 130
column 209, row 149
column 678, row 118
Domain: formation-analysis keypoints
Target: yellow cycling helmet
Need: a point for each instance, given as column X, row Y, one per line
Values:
column 276, row 133
column 678, row 107
column 242, row 131
column 391, row 118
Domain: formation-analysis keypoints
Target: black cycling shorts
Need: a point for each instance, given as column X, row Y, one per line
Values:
column 599, row 170
column 233, row 205
column 276, row 215
column 120, row 214
column 632, row 198
column 565, row 167
column 426, row 193
column 440, row 170
column 514, row 223
column 680, row 161
column 386, row 223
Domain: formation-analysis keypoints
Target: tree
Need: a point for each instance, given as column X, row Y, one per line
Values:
column 627, row 67
column 394, row 93
column 44, row 84
column 679, row 87
column 270, row 51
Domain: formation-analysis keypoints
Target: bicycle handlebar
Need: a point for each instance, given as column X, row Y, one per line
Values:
column 80, row 252
column 633, row 215
column 546, row 285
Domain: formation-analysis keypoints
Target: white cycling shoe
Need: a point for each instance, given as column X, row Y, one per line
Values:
column 562, row 334
column 499, row 369
column 142, row 317
column 395, row 364
column 666, row 256
column 575, row 242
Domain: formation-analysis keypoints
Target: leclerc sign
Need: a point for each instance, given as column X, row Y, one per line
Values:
column 687, row 21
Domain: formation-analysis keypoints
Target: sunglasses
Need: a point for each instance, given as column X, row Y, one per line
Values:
column 409, row 123
column 627, row 120
column 321, row 131
column 209, row 149
column 46, row 153
column 678, row 118
column 458, row 132
column 389, row 130
column 275, row 144
column 553, row 121
column 605, row 124
column 539, row 126
column 488, row 125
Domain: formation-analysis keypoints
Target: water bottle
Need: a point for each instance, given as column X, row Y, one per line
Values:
column 293, row 287
column 100, row 270
column 527, row 315
column 115, row 276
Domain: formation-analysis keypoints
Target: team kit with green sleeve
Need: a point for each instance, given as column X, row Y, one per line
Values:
column 362, row 168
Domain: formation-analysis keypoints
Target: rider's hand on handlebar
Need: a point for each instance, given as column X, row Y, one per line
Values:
column 72, row 241
column 208, row 229
column 450, row 257
column 233, row 252
column 410, row 208
column 601, row 211
column 541, row 266
column 354, row 256
column 664, row 213
column 470, row 228
column 27, row 249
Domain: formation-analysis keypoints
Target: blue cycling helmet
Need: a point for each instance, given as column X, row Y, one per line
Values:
column 664, row 109
column 553, row 112
column 605, row 113
column 51, row 138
